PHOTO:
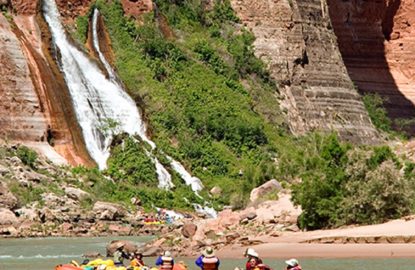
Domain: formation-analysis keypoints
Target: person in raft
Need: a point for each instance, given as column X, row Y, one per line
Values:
column 251, row 254
column 292, row 264
column 137, row 260
column 165, row 261
column 119, row 254
column 208, row 260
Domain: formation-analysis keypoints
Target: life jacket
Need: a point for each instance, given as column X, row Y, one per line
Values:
column 167, row 263
column 298, row 267
column 262, row 266
column 210, row 263
column 137, row 262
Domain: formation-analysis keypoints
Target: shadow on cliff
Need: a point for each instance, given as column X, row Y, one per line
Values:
column 361, row 29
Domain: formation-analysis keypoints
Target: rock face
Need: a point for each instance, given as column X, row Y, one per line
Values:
column 136, row 8
column 21, row 113
column 376, row 40
column 25, row 7
column 297, row 42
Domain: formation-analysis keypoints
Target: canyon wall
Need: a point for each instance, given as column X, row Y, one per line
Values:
column 296, row 41
column 22, row 116
column 35, row 108
column 377, row 42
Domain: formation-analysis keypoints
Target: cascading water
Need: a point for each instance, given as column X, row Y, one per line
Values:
column 164, row 177
column 98, row 100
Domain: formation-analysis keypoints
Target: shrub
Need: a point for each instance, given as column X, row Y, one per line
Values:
column 384, row 194
column 27, row 156
column 377, row 113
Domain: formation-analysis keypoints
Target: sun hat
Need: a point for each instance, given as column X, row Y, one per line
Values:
column 251, row 252
column 248, row 250
column 208, row 252
column 292, row 262
column 167, row 253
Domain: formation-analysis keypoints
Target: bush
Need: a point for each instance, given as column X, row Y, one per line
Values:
column 27, row 156
column 377, row 113
column 383, row 194
column 128, row 162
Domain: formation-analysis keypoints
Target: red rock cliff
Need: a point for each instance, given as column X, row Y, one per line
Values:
column 297, row 42
column 36, row 106
column 377, row 42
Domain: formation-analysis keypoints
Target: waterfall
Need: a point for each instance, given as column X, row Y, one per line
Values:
column 99, row 100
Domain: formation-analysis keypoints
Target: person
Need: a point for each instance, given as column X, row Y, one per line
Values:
column 137, row 260
column 255, row 265
column 251, row 254
column 165, row 261
column 292, row 264
column 119, row 254
column 208, row 260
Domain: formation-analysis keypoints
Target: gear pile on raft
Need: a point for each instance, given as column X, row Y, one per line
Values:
column 206, row 261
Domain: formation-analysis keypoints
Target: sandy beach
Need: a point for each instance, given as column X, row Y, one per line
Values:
column 291, row 244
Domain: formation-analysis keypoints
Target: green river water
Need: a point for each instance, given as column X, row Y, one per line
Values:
column 45, row 253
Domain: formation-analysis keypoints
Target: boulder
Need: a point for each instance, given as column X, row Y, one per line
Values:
column 216, row 191
column 108, row 211
column 188, row 230
column 151, row 251
column 129, row 247
column 76, row 193
column 270, row 186
column 7, row 217
column 28, row 214
column 7, row 199
column 3, row 170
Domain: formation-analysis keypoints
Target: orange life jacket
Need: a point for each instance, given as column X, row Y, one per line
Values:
column 210, row 263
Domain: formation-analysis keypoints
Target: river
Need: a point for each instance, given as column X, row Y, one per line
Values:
column 45, row 253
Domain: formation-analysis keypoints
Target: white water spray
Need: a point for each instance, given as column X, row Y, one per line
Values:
column 97, row 99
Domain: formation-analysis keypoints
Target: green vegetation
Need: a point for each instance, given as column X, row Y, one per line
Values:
column 377, row 113
column 197, row 91
column 347, row 185
column 81, row 28
column 210, row 103
column 27, row 156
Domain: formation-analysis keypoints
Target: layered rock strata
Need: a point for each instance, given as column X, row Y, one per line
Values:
column 22, row 116
column 377, row 42
column 35, row 104
column 297, row 42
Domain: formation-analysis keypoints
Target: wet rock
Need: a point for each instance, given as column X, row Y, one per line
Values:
column 129, row 247
column 189, row 230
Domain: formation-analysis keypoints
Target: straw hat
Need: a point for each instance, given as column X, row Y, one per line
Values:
column 292, row 262
column 208, row 252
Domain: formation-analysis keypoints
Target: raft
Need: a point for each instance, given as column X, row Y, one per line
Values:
column 67, row 267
